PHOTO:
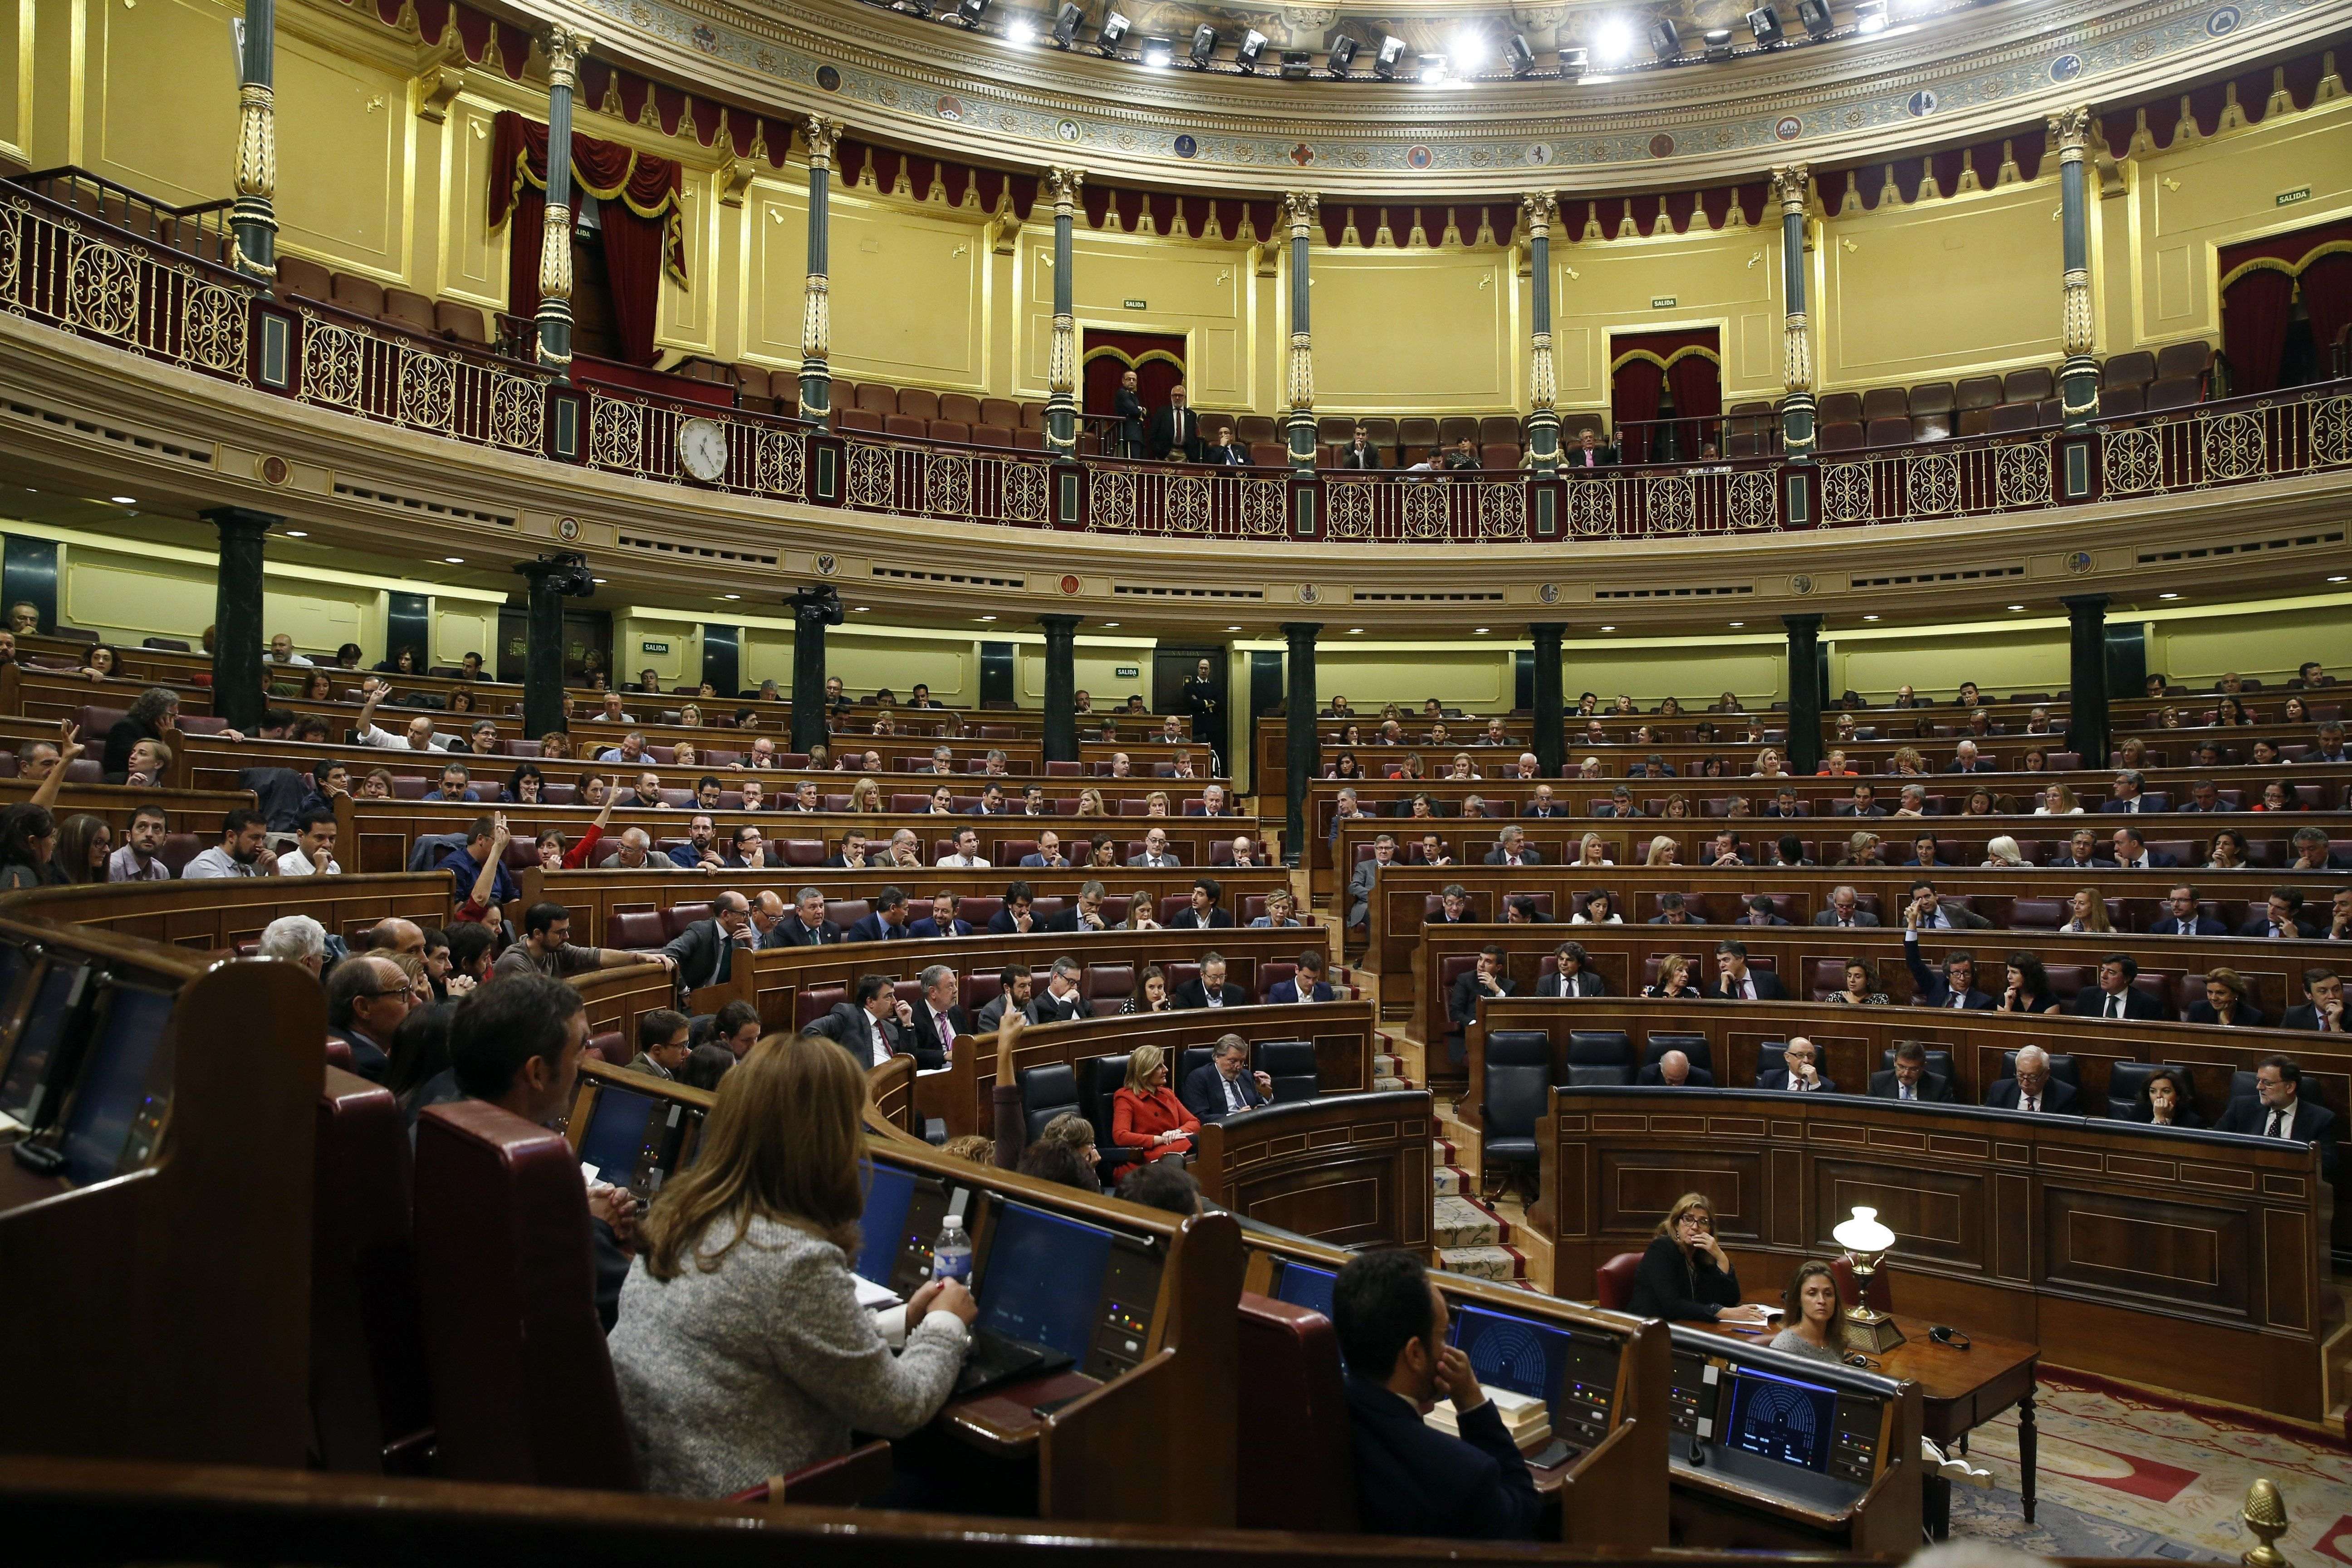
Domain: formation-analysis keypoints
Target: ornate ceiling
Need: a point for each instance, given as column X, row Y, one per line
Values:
column 1946, row 72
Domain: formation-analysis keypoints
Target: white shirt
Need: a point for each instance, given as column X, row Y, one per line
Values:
column 218, row 862
column 2284, row 1124
column 294, row 863
column 1799, row 1086
column 2133, row 803
column 1584, row 921
column 944, row 1029
column 964, row 862
column 291, row 659
column 1232, row 1092
column 1215, row 998
column 2028, row 1102
column 378, row 736
column 1905, row 1091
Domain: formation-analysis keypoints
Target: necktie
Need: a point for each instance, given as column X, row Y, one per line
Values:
column 881, row 1041
column 1234, row 1094
column 2032, row 1102
column 940, row 1022
column 1908, row 1093
column 2272, row 1129
column 718, row 970
column 1960, row 999
column 2115, row 1006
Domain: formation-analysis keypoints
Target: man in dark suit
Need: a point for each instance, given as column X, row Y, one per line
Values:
column 1014, row 984
column 1734, row 982
column 1802, row 1075
column 1156, row 856
column 1488, row 977
column 803, row 924
column 1227, row 451
column 2130, row 793
column 1674, row 1071
column 1410, row 1478
column 888, row 922
column 1956, row 987
column 1909, row 1080
column 1588, row 453
column 704, row 952
column 1543, row 805
column 1924, row 911
column 1307, row 986
column 1175, row 429
column 1018, row 917
column 1224, row 1085
column 2183, row 919
column 1511, row 848
column 1085, row 914
column 1845, row 910
column 1061, row 1001
column 939, row 1023
column 942, row 921
column 2282, row 920
column 367, row 998
column 851, row 855
column 1047, row 856
column 1572, row 975
column 1360, row 452
column 2132, row 853
column 1208, row 988
column 2082, row 853
column 2279, row 1110
column 1128, row 403
column 872, row 1028
column 2322, row 1009
column 1453, row 907
column 1760, row 912
column 1205, row 912
column 2033, row 1088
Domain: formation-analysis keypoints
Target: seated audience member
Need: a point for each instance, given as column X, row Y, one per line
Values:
column 872, row 1026
column 1734, row 982
column 1674, row 1071
column 1674, row 983
column 1205, row 911
column 665, row 1039
column 1225, row 1085
column 2311, row 851
column 1574, row 974
column 1151, row 993
column 1281, row 910
column 1955, row 987
column 1061, row 1001
column 1146, row 1114
column 943, row 921
column 2026, row 988
column 1307, row 985
column 2163, row 1101
column 1410, row 1478
column 1210, row 987
column 1162, row 1184
column 1513, row 849
column 1685, row 1276
column 1363, row 880
column 135, row 859
column 1760, row 912
column 2227, row 1002
column 1013, row 995
column 1594, row 910
column 2182, row 917
column 736, row 1361
column 2132, row 853
column 1909, row 1080
column 1861, row 987
column 1065, row 1154
column 2339, row 916
column 1674, row 910
column 937, row 1022
column 1809, row 1309
column 2322, row 1008
column 2278, row 1110
column 547, row 948
column 1845, row 910
column 243, row 850
column 886, row 922
column 2033, row 1088
column 1488, row 977
column 2113, row 997
column 1802, row 1075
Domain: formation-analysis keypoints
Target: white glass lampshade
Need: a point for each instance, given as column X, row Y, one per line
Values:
column 1863, row 1235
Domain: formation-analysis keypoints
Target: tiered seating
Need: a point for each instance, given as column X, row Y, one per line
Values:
column 300, row 278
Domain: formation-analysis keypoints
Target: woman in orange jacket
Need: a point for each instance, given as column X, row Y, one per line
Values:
column 1144, row 1113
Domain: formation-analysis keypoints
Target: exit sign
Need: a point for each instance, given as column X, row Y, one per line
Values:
column 653, row 647
column 1127, row 672
column 2288, row 198
column 1144, row 305
column 1662, row 302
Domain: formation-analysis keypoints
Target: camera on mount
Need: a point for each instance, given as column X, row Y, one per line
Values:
column 565, row 571
column 821, row 602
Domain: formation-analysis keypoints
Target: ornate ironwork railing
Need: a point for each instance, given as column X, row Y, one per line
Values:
column 99, row 262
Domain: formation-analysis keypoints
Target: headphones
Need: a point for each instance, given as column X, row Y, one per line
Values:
column 1944, row 1335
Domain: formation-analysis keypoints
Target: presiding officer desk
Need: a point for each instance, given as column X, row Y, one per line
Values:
column 2116, row 1247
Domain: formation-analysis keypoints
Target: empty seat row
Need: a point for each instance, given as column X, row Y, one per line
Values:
column 447, row 320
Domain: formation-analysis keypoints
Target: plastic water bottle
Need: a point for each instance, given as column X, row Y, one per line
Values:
column 951, row 1254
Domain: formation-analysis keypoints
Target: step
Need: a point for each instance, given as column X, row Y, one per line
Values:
column 1458, row 1221
column 1503, row 1265
column 1453, row 1181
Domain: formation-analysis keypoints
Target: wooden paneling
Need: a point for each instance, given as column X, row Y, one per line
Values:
column 1350, row 1169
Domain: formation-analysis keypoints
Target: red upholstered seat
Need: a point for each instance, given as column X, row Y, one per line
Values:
column 368, row 1391
column 814, row 1003
column 919, row 403
column 1613, row 1282
column 1292, row 1421
column 640, row 929
column 1499, row 457
column 523, row 1388
column 610, row 1046
column 904, row 424
column 1839, row 408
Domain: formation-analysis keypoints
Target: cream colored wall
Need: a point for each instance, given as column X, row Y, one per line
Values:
column 1725, row 278
column 1478, row 679
column 2268, row 646
column 1694, row 674
column 470, row 261
column 632, row 629
column 1415, row 332
column 1999, row 659
column 1199, row 291
column 17, row 23
column 1096, row 668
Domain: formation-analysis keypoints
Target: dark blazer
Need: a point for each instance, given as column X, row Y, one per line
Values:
column 1861, row 918
column 2181, row 1116
column 1068, row 919
column 1370, row 458
column 1043, row 1009
column 1554, row 809
column 1188, row 919
column 1234, row 457
column 371, row 1061
column 1960, row 919
column 852, row 1027
column 1651, row 1077
column 2314, row 1123
column 1768, row 986
column 1192, row 994
column 1587, row 983
column 925, row 1039
column 1412, row 1479
column 2057, row 1098
column 703, row 954
column 2246, row 1016
column 1176, row 430
column 2137, row 803
column 1777, row 1080
column 1129, row 409
column 1037, row 859
column 1933, row 1085
column 1527, row 856
column 1462, row 1004
column 1001, row 922
column 2094, row 863
column 2302, row 1015
column 1203, row 1093
column 1285, row 992
column 1930, row 989
column 929, row 927
column 1662, row 920
column 874, row 928
column 2198, row 925
column 2091, row 1002
column 1572, row 456
column 1666, row 1286
column 790, row 932
column 2260, row 926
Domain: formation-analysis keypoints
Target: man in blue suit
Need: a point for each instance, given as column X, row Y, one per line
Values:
column 887, row 924
column 1956, row 987
column 2183, row 919
column 2132, row 853
column 1308, row 986
column 941, row 920
column 1225, row 1085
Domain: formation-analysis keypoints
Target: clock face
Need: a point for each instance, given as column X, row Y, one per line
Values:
column 702, row 449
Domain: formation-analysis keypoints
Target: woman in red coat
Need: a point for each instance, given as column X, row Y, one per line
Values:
column 1146, row 1114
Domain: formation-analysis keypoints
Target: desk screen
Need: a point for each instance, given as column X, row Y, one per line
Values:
column 119, row 1095
column 1782, row 1419
column 1507, row 1352
column 53, row 1007
column 1043, row 1282
column 619, row 1130
column 888, row 1198
column 1303, row 1285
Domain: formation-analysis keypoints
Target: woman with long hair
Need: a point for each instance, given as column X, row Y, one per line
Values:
column 742, row 1351
column 1151, row 993
column 2003, row 853
column 691, row 716
column 2228, row 1002
column 866, row 795
column 1684, row 1274
column 2227, row 852
column 2090, row 914
column 318, row 687
column 1593, row 851
column 1662, row 851
column 1146, row 1115
column 2163, row 1100
column 28, row 847
column 1141, row 910
column 1809, row 1310
column 84, row 842
column 2028, row 988
column 2057, row 800
column 1090, row 803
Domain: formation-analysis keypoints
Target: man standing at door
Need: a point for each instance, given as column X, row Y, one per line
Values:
column 1176, row 430
column 1128, row 406
column 1199, row 700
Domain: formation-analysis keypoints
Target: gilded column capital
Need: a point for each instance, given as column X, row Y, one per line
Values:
column 1541, row 207
column 1063, row 184
column 823, row 135
column 1302, row 206
column 565, row 47
column 1793, row 184
column 2071, row 127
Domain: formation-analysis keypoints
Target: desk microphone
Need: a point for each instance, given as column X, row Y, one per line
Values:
column 1697, row 1454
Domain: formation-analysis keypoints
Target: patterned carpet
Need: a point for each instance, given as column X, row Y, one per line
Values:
column 2127, row 1473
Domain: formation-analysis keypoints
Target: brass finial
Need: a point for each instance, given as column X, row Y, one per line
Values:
column 2265, row 1515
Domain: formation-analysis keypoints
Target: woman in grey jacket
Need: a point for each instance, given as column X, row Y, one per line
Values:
column 742, row 1351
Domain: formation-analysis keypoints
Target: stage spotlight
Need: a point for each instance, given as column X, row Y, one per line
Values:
column 1384, row 63
column 1765, row 22
column 1815, row 15
column 1253, row 46
column 1522, row 58
column 1342, row 55
column 1065, row 25
column 1869, row 16
column 1429, row 69
column 1020, row 31
column 968, row 13
column 1297, row 65
column 1572, row 63
column 1114, row 30
column 1614, row 43
column 1204, row 44
column 1666, row 39
column 1719, row 44
column 1158, row 52
column 1467, row 52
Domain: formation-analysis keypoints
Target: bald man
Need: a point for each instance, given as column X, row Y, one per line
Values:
column 704, row 952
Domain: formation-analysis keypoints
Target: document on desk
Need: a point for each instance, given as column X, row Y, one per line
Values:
column 871, row 1295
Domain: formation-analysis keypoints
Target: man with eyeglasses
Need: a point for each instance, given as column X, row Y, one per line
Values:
column 367, row 998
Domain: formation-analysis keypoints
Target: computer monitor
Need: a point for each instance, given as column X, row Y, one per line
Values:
column 889, row 1194
column 1505, row 1351
column 1782, row 1419
column 1043, row 1278
column 53, row 1005
column 627, row 1137
column 1304, row 1285
column 117, row 1111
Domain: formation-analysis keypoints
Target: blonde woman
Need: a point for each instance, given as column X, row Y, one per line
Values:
column 1090, row 803
column 1593, row 852
column 1684, row 1274
column 1673, row 981
column 1910, row 764
column 2058, row 801
column 2001, row 853
column 1156, row 804
column 1663, row 852
column 684, row 756
column 1146, row 1115
column 1768, row 765
column 2090, row 914
column 1139, row 911
column 866, row 795
column 742, row 1351
column 691, row 716
column 1865, row 849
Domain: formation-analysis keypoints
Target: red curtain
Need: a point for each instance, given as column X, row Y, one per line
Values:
column 1697, row 380
column 2326, row 285
column 632, row 269
column 1633, row 402
column 2254, row 312
column 528, row 216
column 639, row 202
column 1157, row 359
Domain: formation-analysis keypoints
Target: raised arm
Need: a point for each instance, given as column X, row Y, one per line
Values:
column 69, row 748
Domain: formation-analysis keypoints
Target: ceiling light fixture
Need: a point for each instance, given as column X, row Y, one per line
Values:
column 1233, row 628
column 1815, row 15
column 2017, row 607
column 968, row 13
column 1870, row 617
column 1384, row 63
column 454, row 560
column 1020, row 32
column 1114, row 30
column 1869, row 16
column 1297, row 65
column 1429, row 69
column 1614, row 42
column 988, row 617
column 1342, row 55
column 1765, row 22
column 1253, row 48
column 1665, row 38
column 730, row 595
column 1719, row 44
column 1609, row 628
column 1204, row 44
column 1066, row 25
column 600, row 579
column 1355, row 631
column 1158, row 52
column 1468, row 51
column 1521, row 56
column 1572, row 63
column 2340, row 578
column 2167, row 596
column 296, row 533
column 124, row 500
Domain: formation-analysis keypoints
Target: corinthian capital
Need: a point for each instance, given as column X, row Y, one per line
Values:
column 1793, row 185
column 1302, row 206
column 2071, row 127
column 565, row 49
column 1541, row 207
column 1063, row 184
column 822, row 135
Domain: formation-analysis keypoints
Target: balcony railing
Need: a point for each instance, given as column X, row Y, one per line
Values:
column 94, row 260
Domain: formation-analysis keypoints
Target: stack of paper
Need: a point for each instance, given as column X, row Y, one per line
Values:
column 1525, row 1418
